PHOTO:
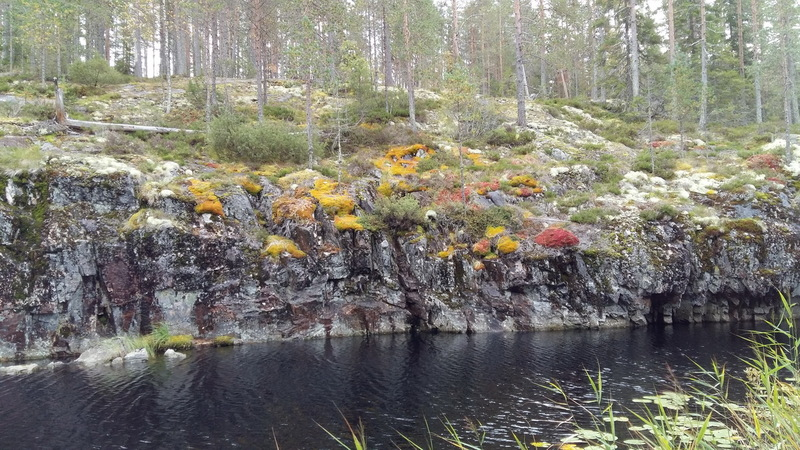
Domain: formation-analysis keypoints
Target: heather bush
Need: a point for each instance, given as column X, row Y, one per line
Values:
column 556, row 238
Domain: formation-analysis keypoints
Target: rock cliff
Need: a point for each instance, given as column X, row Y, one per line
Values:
column 91, row 247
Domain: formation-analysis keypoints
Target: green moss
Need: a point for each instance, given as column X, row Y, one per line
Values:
column 745, row 226
column 223, row 341
column 179, row 342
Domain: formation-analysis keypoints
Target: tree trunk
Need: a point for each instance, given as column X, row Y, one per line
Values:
column 634, row 50
column 388, row 79
column 671, row 30
column 309, row 122
column 542, row 52
column 783, row 26
column 740, row 35
column 703, row 69
column 793, row 88
column 593, row 49
column 412, row 116
column 137, row 52
column 756, row 28
column 454, row 33
column 61, row 113
column 520, row 68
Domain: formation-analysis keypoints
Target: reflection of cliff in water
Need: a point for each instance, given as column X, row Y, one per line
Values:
column 240, row 396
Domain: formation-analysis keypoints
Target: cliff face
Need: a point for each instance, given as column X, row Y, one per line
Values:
column 87, row 251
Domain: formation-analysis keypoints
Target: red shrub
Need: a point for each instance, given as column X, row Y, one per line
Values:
column 556, row 238
column 764, row 161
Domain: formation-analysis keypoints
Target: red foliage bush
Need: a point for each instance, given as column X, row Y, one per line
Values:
column 556, row 238
column 764, row 161
column 451, row 196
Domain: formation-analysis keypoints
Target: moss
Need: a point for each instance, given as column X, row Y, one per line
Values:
column 494, row 231
column 277, row 246
column 402, row 160
column 205, row 199
column 507, row 244
column 347, row 222
column 286, row 207
column 524, row 180
column 223, row 341
column 745, row 226
column 444, row 254
column 179, row 342
column 250, row 186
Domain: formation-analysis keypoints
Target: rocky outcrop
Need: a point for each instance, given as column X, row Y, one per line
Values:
column 91, row 248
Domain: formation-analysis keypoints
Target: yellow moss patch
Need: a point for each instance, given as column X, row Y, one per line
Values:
column 210, row 206
column 402, row 186
column 524, row 180
column 402, row 160
column 385, row 189
column 250, row 186
column 300, row 178
column 293, row 208
column 323, row 186
column 337, row 204
column 446, row 253
column 332, row 203
column 506, row 245
column 683, row 166
column 347, row 222
column 279, row 245
column 476, row 158
column 494, row 231
column 204, row 197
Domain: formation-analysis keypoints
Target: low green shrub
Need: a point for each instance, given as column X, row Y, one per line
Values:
column 394, row 214
column 257, row 143
column 592, row 215
column 94, row 72
column 38, row 110
column 661, row 212
column 476, row 222
column 439, row 159
column 663, row 161
column 280, row 112
column 510, row 137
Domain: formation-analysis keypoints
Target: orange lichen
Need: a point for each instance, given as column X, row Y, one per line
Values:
column 507, row 244
column 478, row 265
column 482, row 247
column 494, row 231
column 294, row 208
column 278, row 246
column 347, row 222
column 205, row 199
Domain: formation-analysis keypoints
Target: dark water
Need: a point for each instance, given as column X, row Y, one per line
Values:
column 251, row 396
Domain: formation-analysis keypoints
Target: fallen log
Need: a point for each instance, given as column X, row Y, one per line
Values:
column 85, row 124
column 63, row 119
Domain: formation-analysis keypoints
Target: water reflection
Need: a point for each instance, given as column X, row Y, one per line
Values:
column 253, row 395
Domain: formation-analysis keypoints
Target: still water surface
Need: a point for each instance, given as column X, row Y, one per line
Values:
column 255, row 395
